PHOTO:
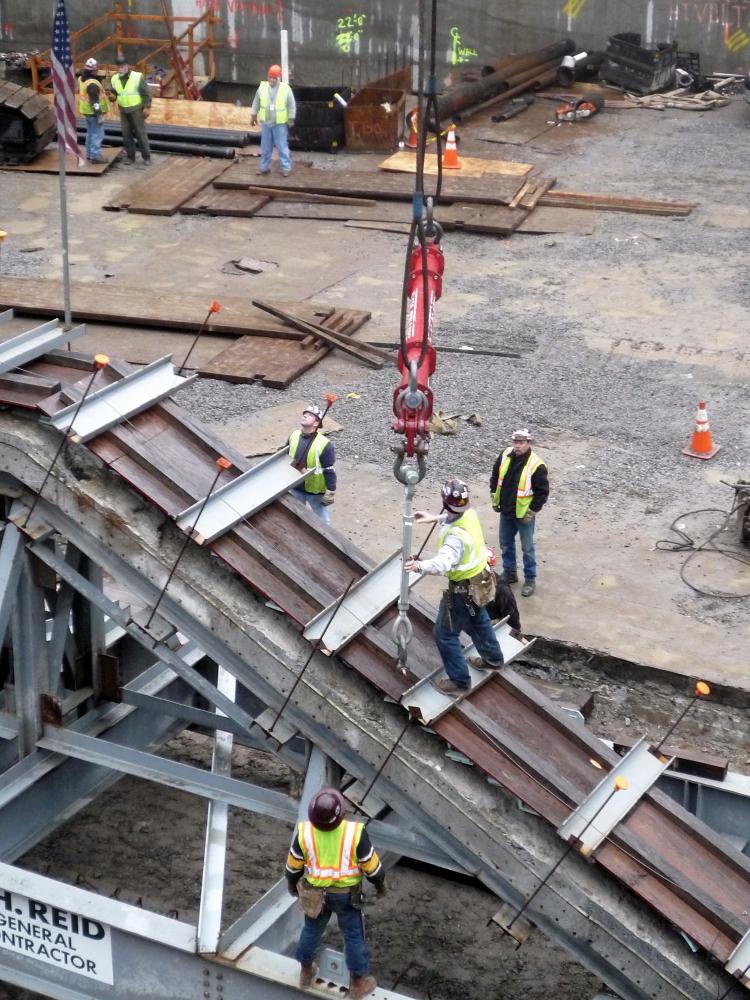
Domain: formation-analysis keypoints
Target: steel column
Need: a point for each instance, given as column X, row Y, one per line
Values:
column 11, row 564
column 29, row 659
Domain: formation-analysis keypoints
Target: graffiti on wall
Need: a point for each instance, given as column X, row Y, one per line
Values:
column 237, row 7
column 348, row 31
column 733, row 18
column 460, row 53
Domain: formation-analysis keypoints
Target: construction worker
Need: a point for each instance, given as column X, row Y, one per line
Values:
column 134, row 102
column 462, row 557
column 309, row 449
column 519, row 486
column 93, row 105
column 333, row 853
column 274, row 106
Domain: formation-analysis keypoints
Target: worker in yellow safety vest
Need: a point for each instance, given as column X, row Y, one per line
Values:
column 275, row 108
column 93, row 105
column 327, row 858
column 462, row 557
column 134, row 102
column 311, row 450
column 519, row 486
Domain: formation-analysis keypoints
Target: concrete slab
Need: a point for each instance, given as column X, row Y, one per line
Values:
column 263, row 432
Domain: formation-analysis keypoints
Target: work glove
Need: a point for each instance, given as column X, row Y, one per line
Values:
column 291, row 888
column 253, row 121
column 496, row 507
column 328, row 497
column 530, row 515
column 97, row 109
column 146, row 112
column 381, row 888
column 291, row 123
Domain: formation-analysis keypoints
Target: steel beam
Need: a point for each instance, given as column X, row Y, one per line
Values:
column 274, row 922
column 215, row 851
column 120, row 400
column 368, row 598
column 35, row 342
column 242, row 497
column 11, row 563
column 30, row 678
column 595, row 921
column 161, row 651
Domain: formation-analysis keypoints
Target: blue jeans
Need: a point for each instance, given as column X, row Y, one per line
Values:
column 278, row 136
column 313, row 502
column 350, row 925
column 458, row 614
column 94, row 137
column 509, row 528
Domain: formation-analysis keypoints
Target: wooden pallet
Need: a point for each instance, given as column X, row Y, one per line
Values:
column 163, row 190
column 276, row 364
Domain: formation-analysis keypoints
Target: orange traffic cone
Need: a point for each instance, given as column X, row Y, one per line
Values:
column 701, row 445
column 411, row 139
column 450, row 156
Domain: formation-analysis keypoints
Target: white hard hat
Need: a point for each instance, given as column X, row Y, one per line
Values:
column 316, row 412
column 92, row 64
column 522, row 434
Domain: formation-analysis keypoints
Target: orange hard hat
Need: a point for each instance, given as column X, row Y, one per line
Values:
column 274, row 71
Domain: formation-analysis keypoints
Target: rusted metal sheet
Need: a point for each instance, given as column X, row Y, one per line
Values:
column 273, row 363
column 162, row 190
column 506, row 728
column 214, row 201
column 374, row 118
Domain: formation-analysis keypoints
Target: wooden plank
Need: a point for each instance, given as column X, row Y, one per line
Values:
column 493, row 220
column 306, row 197
column 497, row 189
column 383, row 227
column 273, row 363
column 162, row 191
column 381, row 212
column 471, row 166
column 237, row 204
column 126, row 305
column 7, row 88
column 521, row 193
column 558, row 220
column 47, row 163
column 374, row 357
column 615, row 203
column 541, row 187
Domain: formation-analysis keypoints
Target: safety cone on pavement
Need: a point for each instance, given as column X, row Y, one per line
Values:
column 701, row 445
column 450, row 156
column 411, row 139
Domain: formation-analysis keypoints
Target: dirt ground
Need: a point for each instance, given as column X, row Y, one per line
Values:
column 620, row 333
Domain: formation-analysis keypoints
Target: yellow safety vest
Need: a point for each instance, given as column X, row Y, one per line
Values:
column 316, row 481
column 84, row 106
column 474, row 558
column 128, row 96
column 331, row 855
column 525, row 490
column 282, row 92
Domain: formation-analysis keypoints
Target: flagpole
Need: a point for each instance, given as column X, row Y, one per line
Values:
column 64, row 235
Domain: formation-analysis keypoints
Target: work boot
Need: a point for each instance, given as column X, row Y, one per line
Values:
column 479, row 664
column 262, row 172
column 447, row 686
column 307, row 975
column 508, row 577
column 362, row 986
column 528, row 588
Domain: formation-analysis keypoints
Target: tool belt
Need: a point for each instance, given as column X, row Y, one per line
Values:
column 480, row 589
column 311, row 898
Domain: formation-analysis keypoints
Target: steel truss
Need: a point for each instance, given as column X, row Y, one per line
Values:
column 90, row 691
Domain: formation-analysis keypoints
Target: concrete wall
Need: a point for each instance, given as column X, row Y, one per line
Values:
column 342, row 41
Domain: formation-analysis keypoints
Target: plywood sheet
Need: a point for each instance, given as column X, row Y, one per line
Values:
column 471, row 166
column 163, row 190
column 47, row 163
column 194, row 114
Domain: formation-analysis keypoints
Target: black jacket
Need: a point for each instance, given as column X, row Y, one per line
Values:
column 504, row 603
column 509, row 490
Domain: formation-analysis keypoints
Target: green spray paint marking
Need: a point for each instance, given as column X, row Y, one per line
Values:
column 348, row 30
column 460, row 53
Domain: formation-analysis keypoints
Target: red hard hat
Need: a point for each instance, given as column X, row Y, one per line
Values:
column 326, row 809
column 274, row 71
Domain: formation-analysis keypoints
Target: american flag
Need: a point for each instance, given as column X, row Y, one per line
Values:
column 64, row 82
